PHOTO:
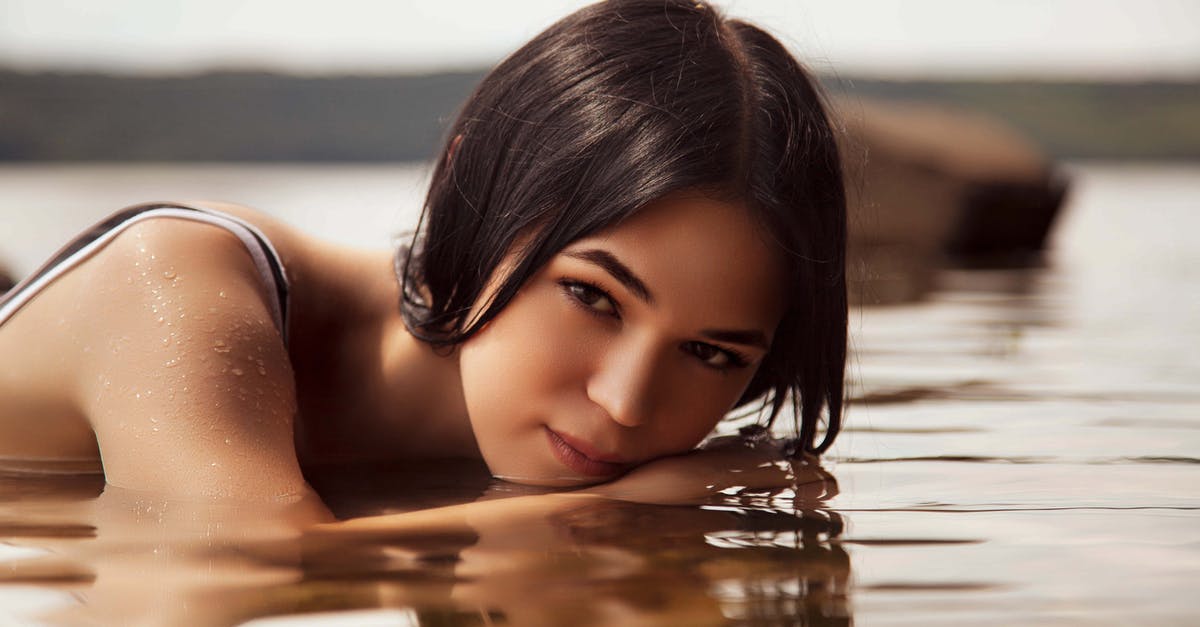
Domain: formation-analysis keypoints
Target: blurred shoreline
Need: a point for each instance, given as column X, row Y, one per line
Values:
column 265, row 117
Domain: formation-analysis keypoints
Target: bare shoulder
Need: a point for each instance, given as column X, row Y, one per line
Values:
column 172, row 355
column 193, row 392
column 59, row 345
column 153, row 253
column 164, row 277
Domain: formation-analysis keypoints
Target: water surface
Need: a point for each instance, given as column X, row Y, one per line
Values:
column 1023, row 447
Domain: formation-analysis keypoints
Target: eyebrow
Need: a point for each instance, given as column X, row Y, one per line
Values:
column 747, row 338
column 619, row 271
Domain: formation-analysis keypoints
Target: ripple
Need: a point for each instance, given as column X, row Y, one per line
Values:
column 1156, row 460
column 909, row 541
column 942, row 586
column 1058, row 461
column 914, row 430
column 1148, row 423
column 971, row 459
column 30, row 530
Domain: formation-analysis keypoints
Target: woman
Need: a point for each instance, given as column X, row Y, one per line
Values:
column 637, row 226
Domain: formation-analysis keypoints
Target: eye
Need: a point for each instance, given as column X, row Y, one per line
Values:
column 715, row 357
column 592, row 298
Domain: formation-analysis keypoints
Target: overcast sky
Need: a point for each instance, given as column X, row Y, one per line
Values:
column 1103, row 38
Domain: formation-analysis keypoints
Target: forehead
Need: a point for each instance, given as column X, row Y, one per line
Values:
column 701, row 254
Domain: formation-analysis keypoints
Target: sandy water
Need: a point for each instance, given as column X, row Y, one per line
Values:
column 1023, row 448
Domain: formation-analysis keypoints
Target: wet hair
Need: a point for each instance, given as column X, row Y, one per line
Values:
column 609, row 109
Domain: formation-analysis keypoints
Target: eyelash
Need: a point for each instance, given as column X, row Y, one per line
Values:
column 736, row 359
column 571, row 287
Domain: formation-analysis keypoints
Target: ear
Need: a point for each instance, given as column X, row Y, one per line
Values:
column 453, row 148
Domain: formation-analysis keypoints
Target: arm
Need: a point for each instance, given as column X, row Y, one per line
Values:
column 729, row 466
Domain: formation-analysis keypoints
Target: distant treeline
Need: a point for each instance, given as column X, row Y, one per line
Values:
column 1069, row 119
column 247, row 116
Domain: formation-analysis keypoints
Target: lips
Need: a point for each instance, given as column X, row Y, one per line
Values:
column 567, row 450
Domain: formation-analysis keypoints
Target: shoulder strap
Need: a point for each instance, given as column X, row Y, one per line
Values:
column 266, row 258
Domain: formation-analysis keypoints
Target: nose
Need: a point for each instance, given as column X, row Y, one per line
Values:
column 623, row 384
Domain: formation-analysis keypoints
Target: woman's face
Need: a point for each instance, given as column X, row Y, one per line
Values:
column 627, row 346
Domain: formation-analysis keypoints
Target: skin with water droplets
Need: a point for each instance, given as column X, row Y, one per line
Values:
column 178, row 318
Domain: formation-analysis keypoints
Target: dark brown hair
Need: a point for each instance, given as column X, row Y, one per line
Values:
column 608, row 110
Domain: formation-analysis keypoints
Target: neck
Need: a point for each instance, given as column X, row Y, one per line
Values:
column 369, row 390
column 424, row 393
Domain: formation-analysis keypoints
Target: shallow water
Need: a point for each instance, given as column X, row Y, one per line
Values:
column 1023, row 448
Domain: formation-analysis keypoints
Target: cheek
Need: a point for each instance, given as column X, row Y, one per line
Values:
column 519, row 363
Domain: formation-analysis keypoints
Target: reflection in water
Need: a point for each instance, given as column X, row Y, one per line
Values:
column 132, row 558
column 476, row 558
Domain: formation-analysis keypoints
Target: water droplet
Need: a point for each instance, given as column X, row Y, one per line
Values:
column 221, row 293
column 262, row 370
column 228, row 441
column 169, row 274
column 221, row 347
column 237, row 372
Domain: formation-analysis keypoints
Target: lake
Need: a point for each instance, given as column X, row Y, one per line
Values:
column 1022, row 447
